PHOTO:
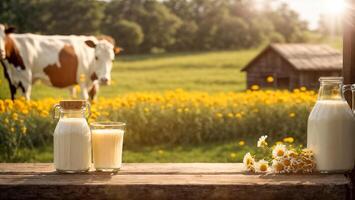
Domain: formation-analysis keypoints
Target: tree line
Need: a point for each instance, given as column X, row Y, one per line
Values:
column 145, row 26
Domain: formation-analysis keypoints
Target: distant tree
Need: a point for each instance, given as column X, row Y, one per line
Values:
column 127, row 34
column 187, row 33
column 73, row 17
column 261, row 30
column 208, row 15
column 158, row 23
column 232, row 33
column 276, row 37
column 25, row 15
column 244, row 9
column 185, row 37
column 181, row 8
column 288, row 24
column 141, row 26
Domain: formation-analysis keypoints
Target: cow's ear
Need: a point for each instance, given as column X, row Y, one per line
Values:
column 10, row 29
column 117, row 50
column 90, row 43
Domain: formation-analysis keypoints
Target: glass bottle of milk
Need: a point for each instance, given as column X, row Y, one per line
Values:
column 331, row 128
column 72, row 139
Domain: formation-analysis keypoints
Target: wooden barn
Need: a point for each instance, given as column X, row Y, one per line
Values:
column 290, row 66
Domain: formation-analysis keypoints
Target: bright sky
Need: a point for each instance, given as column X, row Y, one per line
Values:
column 311, row 9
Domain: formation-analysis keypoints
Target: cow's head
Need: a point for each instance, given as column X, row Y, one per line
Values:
column 104, row 55
column 4, row 31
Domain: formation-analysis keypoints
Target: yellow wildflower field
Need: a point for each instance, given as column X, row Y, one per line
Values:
column 172, row 117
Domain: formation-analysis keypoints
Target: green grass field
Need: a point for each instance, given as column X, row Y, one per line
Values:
column 212, row 72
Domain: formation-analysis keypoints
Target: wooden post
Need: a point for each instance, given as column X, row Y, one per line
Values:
column 349, row 46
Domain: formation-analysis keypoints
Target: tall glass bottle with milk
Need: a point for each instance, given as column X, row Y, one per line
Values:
column 331, row 128
column 72, row 139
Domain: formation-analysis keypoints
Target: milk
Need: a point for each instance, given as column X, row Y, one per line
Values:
column 331, row 135
column 107, row 148
column 72, row 145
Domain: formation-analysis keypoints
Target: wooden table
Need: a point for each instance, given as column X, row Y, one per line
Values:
column 167, row 181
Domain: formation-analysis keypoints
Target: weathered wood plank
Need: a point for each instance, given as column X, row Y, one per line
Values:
column 134, row 168
column 166, row 181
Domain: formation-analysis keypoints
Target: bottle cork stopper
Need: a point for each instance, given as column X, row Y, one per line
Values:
column 72, row 104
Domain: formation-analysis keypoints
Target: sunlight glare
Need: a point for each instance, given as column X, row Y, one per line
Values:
column 334, row 7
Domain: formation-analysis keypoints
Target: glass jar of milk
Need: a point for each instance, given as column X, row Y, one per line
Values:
column 72, row 139
column 331, row 128
column 107, row 144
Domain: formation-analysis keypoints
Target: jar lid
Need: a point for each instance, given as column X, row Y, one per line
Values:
column 72, row 104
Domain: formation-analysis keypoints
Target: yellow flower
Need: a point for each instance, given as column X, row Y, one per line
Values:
column 262, row 141
column 241, row 143
column 44, row 113
column 296, row 90
column 12, row 129
column 179, row 110
column 262, row 166
column 6, row 121
column 303, row 89
column 279, row 150
column 270, row 79
column 24, row 111
column 219, row 115
column 15, row 116
column 233, row 155
column 146, row 110
column 23, row 130
column 160, row 152
column 238, row 116
column 186, row 110
column 289, row 140
column 8, row 104
column 255, row 87
column 292, row 115
column 230, row 115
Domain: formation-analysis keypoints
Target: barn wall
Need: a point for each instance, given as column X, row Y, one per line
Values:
column 271, row 64
column 310, row 79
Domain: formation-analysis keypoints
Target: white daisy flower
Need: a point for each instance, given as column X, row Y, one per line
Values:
column 277, row 166
column 249, row 162
column 262, row 166
column 279, row 150
column 262, row 141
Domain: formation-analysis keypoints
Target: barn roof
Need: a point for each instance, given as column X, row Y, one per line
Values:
column 306, row 57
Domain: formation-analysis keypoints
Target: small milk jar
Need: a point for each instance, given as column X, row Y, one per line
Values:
column 72, row 139
column 331, row 128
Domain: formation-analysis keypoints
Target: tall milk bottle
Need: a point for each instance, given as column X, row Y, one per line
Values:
column 331, row 128
column 72, row 139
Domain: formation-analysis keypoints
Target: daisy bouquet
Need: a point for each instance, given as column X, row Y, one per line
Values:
column 279, row 158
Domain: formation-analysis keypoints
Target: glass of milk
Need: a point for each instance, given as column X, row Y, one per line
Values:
column 107, row 143
column 72, row 141
column 331, row 128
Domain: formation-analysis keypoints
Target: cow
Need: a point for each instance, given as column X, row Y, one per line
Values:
column 58, row 61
